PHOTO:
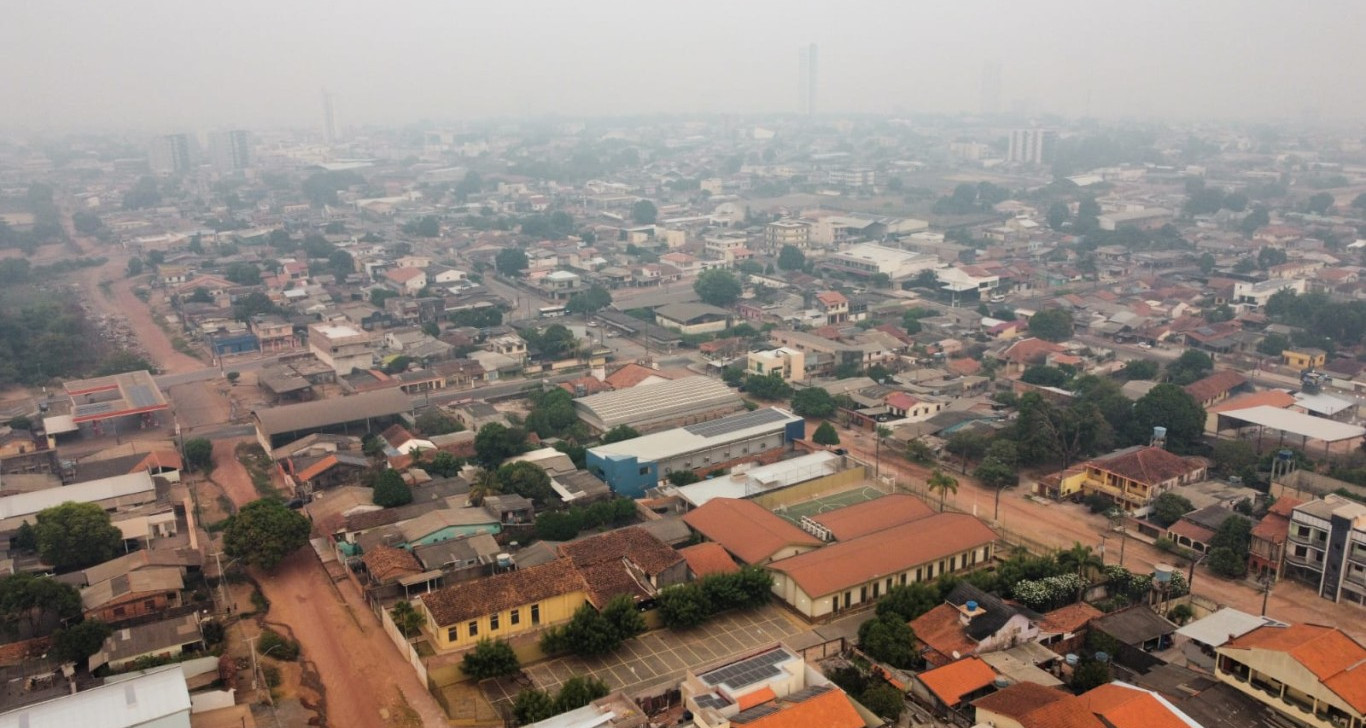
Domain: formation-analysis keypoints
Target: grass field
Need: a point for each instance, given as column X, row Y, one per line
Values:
column 825, row 504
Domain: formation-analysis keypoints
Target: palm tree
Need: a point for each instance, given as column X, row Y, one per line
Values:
column 944, row 483
column 486, row 485
column 881, row 432
column 1083, row 560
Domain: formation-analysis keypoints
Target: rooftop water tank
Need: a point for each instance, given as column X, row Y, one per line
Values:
column 1159, row 433
column 1102, row 657
column 1162, row 573
column 972, row 605
column 1071, row 659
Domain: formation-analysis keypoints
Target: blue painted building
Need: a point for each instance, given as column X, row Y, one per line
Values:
column 632, row 466
column 233, row 343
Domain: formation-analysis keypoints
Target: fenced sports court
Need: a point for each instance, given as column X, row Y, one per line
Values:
column 825, row 504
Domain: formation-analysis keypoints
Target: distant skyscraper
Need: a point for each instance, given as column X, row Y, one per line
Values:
column 806, row 80
column 330, row 130
column 170, row 154
column 1032, row 146
column 991, row 87
column 230, row 150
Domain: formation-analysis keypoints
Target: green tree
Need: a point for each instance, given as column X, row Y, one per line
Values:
column 134, row 267
column 1169, row 406
column 998, row 476
column 619, row 433
column 435, row 422
column 86, row 223
column 243, row 274
column 917, row 451
column 1227, row 563
column 511, row 261
column 790, row 257
column 36, row 601
column 199, row 454
column 1245, row 265
column 1058, row 213
column 79, row 641
column 527, row 480
column 390, row 490
column 1054, row 325
column 1168, row 508
column 909, row 601
column 445, row 465
column 1255, row 220
column 490, row 658
column 967, row 445
column 684, row 606
column 681, row 478
column 578, row 691
column 264, row 532
column 1207, row 263
column 408, row 620
column 532, row 706
column 341, row 264
column 888, row 638
column 1044, row 376
column 1139, row 369
column 884, row 700
column 26, row 538
column 378, row 295
column 768, row 387
column 717, row 287
column 1191, row 366
column 495, row 443
column 1319, row 203
column 644, row 212
column 590, row 301
column 942, row 483
column 553, row 413
column 1269, row 257
column 1089, row 675
column 1273, row 345
column 813, row 402
column 826, row 435
column 76, row 535
column 1235, row 457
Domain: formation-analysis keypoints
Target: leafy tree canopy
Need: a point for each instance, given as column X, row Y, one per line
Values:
column 264, row 532
column 76, row 535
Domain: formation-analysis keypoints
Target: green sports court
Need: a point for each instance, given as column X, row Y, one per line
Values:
column 825, row 504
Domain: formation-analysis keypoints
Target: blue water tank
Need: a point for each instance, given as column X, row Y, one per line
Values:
column 972, row 606
column 1102, row 657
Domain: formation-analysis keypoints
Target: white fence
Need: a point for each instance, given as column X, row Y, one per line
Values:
column 405, row 647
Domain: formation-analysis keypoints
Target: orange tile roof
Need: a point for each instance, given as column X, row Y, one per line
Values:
column 1193, row 531
column 886, row 552
column 746, row 529
column 1026, row 351
column 941, row 631
column 829, row 709
column 1327, row 652
column 631, row 375
column 900, row 400
column 951, row 682
column 1218, row 383
column 1071, row 618
column 386, row 562
column 872, row 516
column 1035, row 706
column 1151, row 465
column 758, row 697
column 501, row 592
column 708, row 558
column 1127, row 707
column 1271, row 398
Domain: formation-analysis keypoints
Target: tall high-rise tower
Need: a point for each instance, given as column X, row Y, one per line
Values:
column 170, row 154
column 230, row 150
column 330, row 131
column 991, row 87
column 806, row 80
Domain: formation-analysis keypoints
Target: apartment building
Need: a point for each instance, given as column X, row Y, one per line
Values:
column 1326, row 547
column 787, row 232
column 789, row 364
column 343, row 347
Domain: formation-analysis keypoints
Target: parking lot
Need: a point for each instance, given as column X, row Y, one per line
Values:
column 661, row 657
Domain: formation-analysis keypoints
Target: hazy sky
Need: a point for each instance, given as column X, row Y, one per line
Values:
column 170, row 65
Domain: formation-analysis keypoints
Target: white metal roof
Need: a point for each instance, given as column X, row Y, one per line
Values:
column 154, row 695
column 1323, row 404
column 1222, row 626
column 671, row 443
column 118, row 486
column 656, row 401
column 1296, row 423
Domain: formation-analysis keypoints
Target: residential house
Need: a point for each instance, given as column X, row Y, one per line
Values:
column 408, row 281
column 693, row 318
column 953, row 687
column 1134, row 476
column 902, row 405
column 133, row 594
column 1025, row 353
column 1304, row 358
column 1309, row 674
column 834, row 306
column 787, row 363
column 1266, row 554
column 771, row 688
column 1194, row 530
column 166, row 639
column 626, row 562
column 972, row 622
column 1217, row 387
column 1029, row 705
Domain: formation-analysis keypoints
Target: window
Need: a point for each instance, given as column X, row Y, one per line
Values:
column 875, row 586
column 918, row 575
column 150, row 604
column 474, row 629
column 452, row 634
column 119, row 611
column 493, row 623
column 535, row 614
column 645, row 470
column 863, row 594
column 515, row 616
column 903, row 580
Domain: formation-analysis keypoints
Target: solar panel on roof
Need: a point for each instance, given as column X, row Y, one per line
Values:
column 735, row 423
column 748, row 671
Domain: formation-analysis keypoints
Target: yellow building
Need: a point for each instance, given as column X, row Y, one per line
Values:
column 1304, row 358
column 1132, row 477
column 504, row 605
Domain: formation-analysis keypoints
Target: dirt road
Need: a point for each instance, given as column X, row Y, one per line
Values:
column 1060, row 525
column 365, row 681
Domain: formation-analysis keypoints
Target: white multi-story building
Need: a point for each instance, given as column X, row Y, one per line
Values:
column 1032, row 146
column 789, row 364
column 870, row 259
column 343, row 347
column 1257, row 293
column 1326, row 547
